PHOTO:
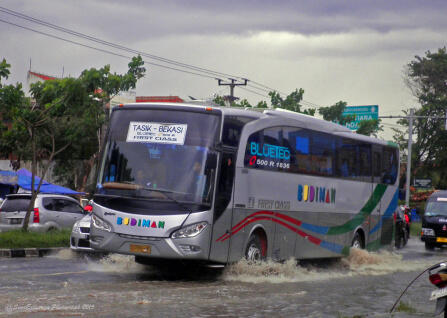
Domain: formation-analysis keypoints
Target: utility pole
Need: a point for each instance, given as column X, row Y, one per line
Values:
column 410, row 140
column 410, row 118
column 232, row 85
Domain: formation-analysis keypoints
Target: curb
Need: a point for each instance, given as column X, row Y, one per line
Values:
column 29, row 252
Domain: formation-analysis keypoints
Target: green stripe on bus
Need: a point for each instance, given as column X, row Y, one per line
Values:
column 360, row 217
column 392, row 144
column 374, row 245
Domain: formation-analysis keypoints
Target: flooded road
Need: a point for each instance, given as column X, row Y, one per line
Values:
column 363, row 285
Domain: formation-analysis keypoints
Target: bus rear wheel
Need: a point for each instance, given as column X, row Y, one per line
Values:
column 255, row 251
column 357, row 241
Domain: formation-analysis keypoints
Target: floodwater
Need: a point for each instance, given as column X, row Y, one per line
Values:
column 362, row 285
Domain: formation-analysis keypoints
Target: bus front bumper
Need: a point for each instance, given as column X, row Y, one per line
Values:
column 196, row 248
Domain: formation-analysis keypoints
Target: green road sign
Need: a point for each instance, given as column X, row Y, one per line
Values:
column 361, row 113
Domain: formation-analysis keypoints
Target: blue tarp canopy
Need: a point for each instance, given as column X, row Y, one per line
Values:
column 8, row 177
column 23, row 178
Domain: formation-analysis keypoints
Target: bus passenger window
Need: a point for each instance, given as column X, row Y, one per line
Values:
column 299, row 141
column 365, row 161
column 232, row 129
column 389, row 166
column 347, row 162
column 323, row 153
column 267, row 151
column 377, row 159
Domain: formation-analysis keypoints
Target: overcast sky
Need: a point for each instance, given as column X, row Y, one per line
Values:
column 355, row 51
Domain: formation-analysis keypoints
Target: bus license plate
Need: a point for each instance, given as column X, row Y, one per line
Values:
column 145, row 249
column 438, row 293
column 441, row 239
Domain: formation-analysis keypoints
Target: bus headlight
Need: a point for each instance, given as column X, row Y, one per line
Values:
column 190, row 230
column 100, row 223
column 428, row 232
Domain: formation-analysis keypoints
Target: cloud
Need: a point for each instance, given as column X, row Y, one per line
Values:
column 336, row 50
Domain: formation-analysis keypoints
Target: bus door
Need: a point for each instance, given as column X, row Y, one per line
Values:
column 375, row 218
column 223, row 208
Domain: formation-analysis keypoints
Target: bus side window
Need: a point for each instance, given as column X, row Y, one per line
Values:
column 365, row 162
column 232, row 129
column 323, row 153
column 347, row 162
column 298, row 140
column 389, row 166
column 225, row 183
column 377, row 166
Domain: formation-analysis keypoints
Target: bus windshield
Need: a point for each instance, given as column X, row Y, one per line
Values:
column 162, row 155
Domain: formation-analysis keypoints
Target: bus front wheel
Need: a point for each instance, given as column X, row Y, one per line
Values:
column 255, row 251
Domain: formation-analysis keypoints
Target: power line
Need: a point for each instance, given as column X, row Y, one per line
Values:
column 196, row 70
column 117, row 46
column 101, row 50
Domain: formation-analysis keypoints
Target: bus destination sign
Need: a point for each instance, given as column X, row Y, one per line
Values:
column 160, row 133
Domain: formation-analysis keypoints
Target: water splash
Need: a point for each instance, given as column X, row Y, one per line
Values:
column 359, row 262
column 64, row 254
column 115, row 263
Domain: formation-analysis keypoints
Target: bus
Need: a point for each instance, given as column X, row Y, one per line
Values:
column 183, row 182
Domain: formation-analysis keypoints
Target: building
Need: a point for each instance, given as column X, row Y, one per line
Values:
column 160, row 99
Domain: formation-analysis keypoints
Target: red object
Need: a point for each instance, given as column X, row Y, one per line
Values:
column 42, row 76
column 36, row 217
column 162, row 99
column 88, row 208
column 407, row 218
column 435, row 279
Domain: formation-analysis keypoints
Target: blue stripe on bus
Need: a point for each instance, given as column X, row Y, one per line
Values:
column 315, row 228
column 388, row 212
column 332, row 247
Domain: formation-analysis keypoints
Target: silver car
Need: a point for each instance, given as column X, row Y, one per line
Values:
column 51, row 211
column 79, row 240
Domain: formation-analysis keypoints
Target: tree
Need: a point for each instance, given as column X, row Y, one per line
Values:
column 426, row 77
column 291, row 102
column 370, row 127
column 4, row 70
column 334, row 113
column 261, row 104
column 100, row 86
column 63, row 120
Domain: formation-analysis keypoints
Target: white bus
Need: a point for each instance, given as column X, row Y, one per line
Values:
column 216, row 184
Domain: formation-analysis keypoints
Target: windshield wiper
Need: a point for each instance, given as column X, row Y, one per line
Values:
column 126, row 185
column 115, row 196
column 166, row 192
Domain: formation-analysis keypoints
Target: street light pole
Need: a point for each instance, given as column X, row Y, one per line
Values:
column 410, row 135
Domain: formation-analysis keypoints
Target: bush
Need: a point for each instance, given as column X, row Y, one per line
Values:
column 21, row 239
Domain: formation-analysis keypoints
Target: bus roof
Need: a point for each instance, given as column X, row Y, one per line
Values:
column 259, row 113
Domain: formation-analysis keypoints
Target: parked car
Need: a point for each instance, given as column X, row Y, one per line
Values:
column 80, row 235
column 434, row 221
column 51, row 212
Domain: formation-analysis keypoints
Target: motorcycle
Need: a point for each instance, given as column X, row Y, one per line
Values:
column 437, row 274
column 402, row 232
column 438, row 277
